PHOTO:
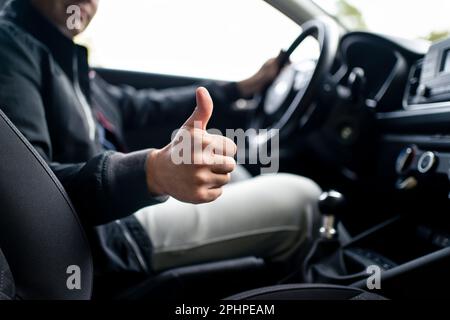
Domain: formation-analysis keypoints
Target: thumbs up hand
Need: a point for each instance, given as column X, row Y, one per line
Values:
column 202, row 112
column 208, row 159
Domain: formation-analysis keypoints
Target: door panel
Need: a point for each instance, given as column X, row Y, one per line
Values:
column 157, row 136
column 142, row 80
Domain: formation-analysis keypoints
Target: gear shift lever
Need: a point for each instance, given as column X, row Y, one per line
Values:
column 331, row 204
column 327, row 245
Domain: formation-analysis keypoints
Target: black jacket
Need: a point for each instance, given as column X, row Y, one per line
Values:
column 40, row 73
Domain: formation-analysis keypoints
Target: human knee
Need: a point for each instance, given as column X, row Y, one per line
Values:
column 294, row 197
column 300, row 189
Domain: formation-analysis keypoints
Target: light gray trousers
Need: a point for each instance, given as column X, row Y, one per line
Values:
column 267, row 217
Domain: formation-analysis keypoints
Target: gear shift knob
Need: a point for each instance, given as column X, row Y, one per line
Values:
column 331, row 204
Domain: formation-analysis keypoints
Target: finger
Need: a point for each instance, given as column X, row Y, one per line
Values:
column 215, row 193
column 205, row 195
column 219, row 180
column 220, row 145
column 202, row 112
column 222, row 164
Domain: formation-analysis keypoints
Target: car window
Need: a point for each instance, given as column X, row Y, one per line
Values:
column 414, row 19
column 216, row 39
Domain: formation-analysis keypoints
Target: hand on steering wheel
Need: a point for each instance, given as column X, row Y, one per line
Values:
column 293, row 90
column 260, row 81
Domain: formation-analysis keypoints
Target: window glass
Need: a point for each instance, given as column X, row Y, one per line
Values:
column 216, row 39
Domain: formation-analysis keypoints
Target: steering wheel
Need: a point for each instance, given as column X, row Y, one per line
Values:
column 288, row 101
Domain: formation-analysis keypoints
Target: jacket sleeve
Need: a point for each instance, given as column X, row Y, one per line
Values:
column 140, row 108
column 107, row 187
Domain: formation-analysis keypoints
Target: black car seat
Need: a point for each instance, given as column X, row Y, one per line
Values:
column 40, row 235
column 44, row 244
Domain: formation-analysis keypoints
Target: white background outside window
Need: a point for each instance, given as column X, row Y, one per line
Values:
column 216, row 39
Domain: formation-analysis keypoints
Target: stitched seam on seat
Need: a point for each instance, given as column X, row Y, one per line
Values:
column 228, row 238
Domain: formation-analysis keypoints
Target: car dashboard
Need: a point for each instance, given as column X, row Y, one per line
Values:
column 398, row 211
column 407, row 85
column 386, row 63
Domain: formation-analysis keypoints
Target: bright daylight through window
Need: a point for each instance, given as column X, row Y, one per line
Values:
column 414, row 19
column 217, row 39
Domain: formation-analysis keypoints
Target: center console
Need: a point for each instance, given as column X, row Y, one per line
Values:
column 413, row 260
column 412, row 248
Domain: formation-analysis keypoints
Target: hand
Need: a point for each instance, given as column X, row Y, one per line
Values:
column 261, row 79
column 200, row 180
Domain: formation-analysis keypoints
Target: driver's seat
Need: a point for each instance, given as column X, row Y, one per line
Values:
column 45, row 252
column 40, row 234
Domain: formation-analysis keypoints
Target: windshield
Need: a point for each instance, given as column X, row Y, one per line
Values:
column 413, row 19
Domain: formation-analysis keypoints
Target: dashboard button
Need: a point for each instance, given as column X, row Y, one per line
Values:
column 426, row 162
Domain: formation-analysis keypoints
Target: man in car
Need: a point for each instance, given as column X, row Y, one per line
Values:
column 78, row 122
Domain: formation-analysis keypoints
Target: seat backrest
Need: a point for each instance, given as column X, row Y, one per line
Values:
column 40, row 234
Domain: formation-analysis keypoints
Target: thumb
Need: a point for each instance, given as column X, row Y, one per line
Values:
column 202, row 112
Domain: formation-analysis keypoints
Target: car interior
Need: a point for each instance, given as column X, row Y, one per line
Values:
column 367, row 119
